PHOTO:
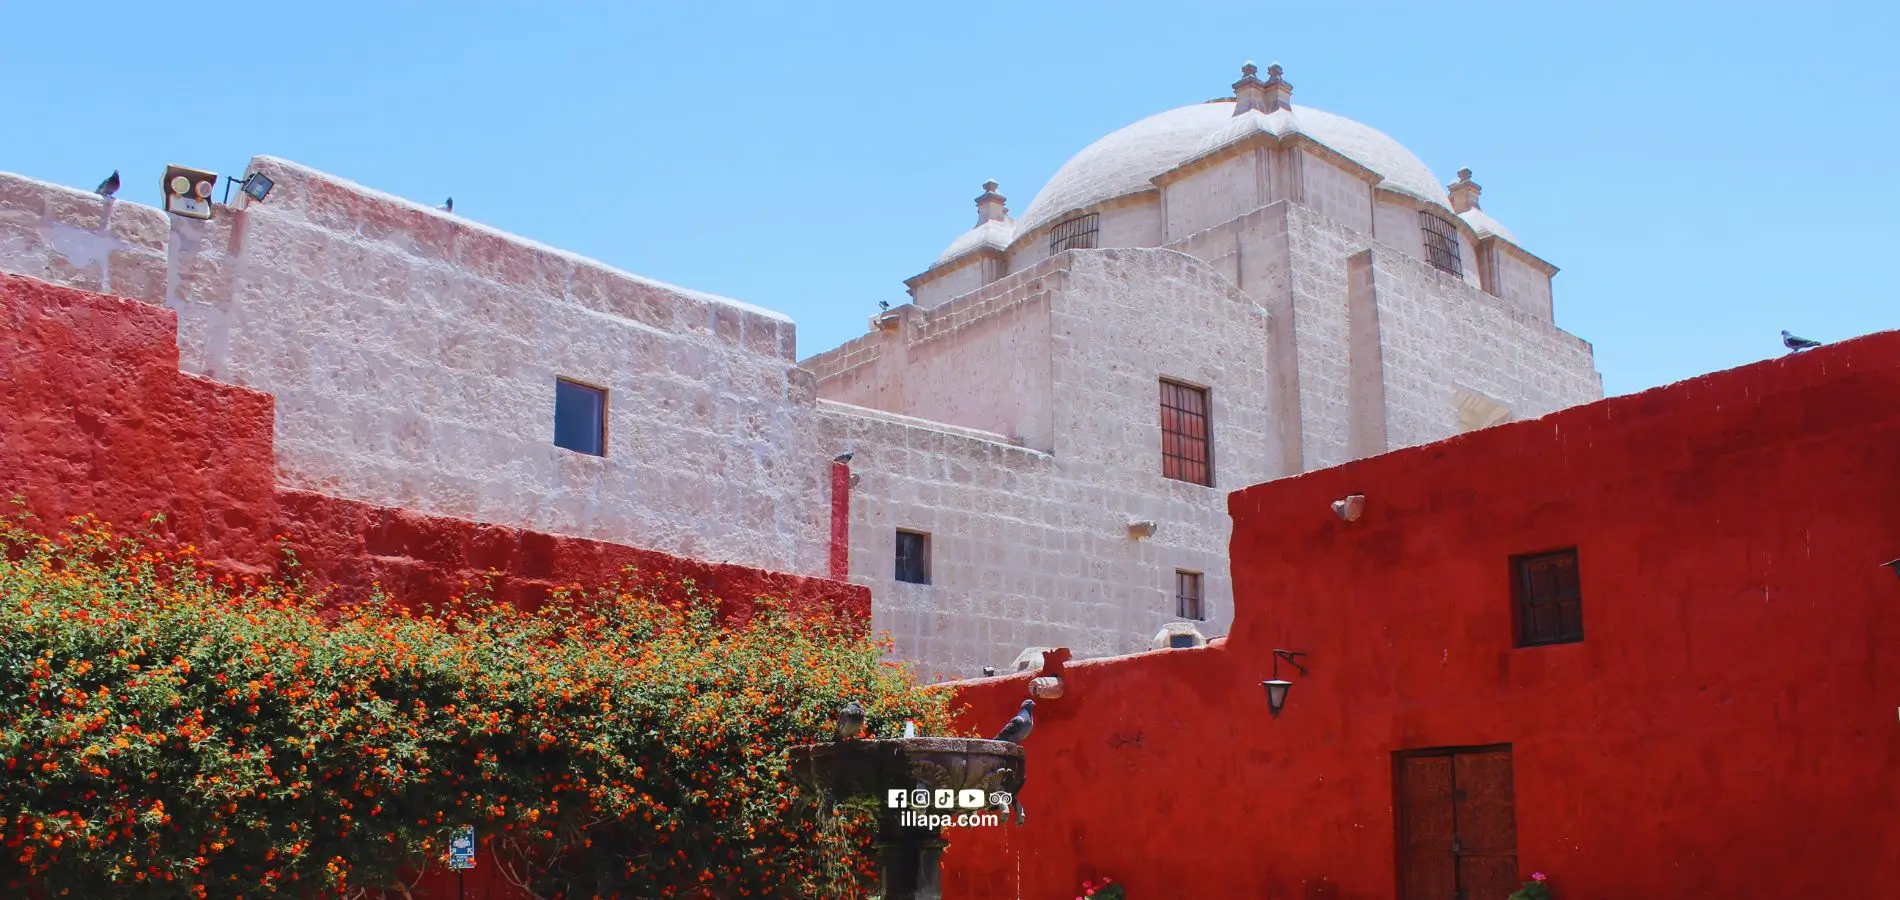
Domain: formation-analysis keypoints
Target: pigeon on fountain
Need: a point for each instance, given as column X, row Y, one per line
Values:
column 850, row 721
column 1018, row 728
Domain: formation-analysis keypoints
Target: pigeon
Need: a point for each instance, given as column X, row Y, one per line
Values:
column 1797, row 343
column 850, row 721
column 1018, row 728
column 844, row 457
column 447, row 205
column 883, row 304
column 109, row 186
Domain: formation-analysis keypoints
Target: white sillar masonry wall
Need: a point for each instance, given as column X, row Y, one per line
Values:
column 1033, row 548
column 413, row 355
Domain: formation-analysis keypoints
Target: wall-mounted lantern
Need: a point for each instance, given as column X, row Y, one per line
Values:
column 1277, row 687
column 188, row 192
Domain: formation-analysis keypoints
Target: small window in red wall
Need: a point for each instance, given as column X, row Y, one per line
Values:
column 1549, row 598
column 1187, row 444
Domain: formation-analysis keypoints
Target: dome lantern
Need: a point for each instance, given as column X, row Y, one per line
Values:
column 1464, row 193
column 1265, row 96
column 990, row 207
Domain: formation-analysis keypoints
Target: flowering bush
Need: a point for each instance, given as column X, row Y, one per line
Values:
column 170, row 732
column 1105, row 889
column 1533, row 889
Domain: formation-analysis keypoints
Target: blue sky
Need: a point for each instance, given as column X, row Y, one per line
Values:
column 1704, row 174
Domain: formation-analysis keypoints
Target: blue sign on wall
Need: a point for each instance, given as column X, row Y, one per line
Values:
column 462, row 849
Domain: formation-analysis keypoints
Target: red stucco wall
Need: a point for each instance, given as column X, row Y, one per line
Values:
column 95, row 418
column 1726, row 729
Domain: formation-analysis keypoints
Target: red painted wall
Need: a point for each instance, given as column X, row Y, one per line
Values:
column 840, row 520
column 96, row 418
column 1726, row 729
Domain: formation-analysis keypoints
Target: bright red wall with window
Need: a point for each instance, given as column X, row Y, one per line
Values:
column 1726, row 729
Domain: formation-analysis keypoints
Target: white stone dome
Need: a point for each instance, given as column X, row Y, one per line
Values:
column 1125, row 161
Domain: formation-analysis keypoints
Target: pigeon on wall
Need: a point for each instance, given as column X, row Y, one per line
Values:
column 1018, row 728
column 850, row 721
column 844, row 457
column 109, row 186
column 1797, row 343
column 883, row 304
column 447, row 205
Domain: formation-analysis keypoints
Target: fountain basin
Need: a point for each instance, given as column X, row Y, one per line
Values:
column 910, row 856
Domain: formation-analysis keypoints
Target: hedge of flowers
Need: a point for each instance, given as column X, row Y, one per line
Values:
column 167, row 731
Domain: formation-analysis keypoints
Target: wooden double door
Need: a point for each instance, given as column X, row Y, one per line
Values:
column 1457, row 824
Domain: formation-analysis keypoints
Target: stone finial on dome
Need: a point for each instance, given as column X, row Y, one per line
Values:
column 990, row 207
column 1464, row 192
column 1265, row 96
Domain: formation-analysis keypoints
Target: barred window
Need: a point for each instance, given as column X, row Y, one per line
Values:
column 1073, row 234
column 1187, row 447
column 1441, row 243
column 1187, row 596
column 1549, row 598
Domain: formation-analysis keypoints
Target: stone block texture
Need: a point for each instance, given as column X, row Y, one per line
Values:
column 413, row 356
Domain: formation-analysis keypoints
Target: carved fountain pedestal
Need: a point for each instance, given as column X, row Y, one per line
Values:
column 910, row 857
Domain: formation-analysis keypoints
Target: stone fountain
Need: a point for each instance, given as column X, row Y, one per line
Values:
column 910, row 857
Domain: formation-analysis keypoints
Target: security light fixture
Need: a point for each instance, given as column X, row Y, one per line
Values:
column 255, row 185
column 1277, row 687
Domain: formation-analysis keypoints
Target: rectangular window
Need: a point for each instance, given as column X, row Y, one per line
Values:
column 1073, row 234
column 580, row 417
column 1187, row 596
column 1441, row 243
column 1187, row 448
column 1549, row 598
column 913, row 557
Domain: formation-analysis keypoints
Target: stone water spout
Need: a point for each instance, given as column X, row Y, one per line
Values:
column 910, row 857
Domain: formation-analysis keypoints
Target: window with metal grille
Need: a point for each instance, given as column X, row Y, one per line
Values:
column 1073, row 234
column 1187, row 596
column 1187, row 447
column 1441, row 243
column 1549, row 598
column 913, row 557
column 580, row 417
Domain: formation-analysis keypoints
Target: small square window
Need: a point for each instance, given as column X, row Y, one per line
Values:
column 913, row 557
column 1187, row 596
column 1549, row 598
column 580, row 417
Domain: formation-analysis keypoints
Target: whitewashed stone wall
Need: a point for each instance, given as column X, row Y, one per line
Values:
column 79, row 239
column 1031, row 547
column 960, row 277
column 413, row 357
column 1225, row 188
column 1522, row 282
column 1337, row 194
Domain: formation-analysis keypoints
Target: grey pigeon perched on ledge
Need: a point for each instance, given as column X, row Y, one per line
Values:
column 850, row 721
column 1018, row 728
column 1797, row 343
column 109, row 186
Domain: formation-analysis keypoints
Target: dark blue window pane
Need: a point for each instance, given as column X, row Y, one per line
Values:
column 580, row 417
